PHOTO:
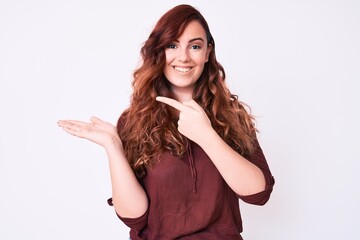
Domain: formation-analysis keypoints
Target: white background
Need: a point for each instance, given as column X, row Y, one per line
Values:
column 296, row 63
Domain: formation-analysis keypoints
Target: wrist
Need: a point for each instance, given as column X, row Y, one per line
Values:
column 114, row 142
column 209, row 139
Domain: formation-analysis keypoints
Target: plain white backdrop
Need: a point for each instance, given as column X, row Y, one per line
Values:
column 296, row 63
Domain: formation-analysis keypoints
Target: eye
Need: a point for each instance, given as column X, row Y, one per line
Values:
column 195, row 47
column 172, row 46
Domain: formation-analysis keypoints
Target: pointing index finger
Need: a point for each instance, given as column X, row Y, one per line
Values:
column 172, row 102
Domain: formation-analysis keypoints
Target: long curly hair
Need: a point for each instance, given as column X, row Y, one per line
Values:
column 149, row 128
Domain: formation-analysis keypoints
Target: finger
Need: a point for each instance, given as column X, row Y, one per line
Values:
column 74, row 132
column 94, row 119
column 172, row 102
column 194, row 105
column 76, row 127
column 71, row 127
column 71, row 123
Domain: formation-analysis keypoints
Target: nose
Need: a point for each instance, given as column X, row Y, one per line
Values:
column 184, row 55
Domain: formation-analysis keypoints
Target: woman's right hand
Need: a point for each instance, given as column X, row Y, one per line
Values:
column 97, row 131
column 129, row 197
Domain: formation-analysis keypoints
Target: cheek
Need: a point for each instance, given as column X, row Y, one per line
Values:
column 169, row 57
column 200, row 58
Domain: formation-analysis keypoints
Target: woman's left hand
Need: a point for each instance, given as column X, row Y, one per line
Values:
column 193, row 122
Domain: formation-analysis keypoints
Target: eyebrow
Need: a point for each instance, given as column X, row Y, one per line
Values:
column 194, row 39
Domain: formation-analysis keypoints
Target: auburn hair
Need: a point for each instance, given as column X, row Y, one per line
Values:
column 148, row 128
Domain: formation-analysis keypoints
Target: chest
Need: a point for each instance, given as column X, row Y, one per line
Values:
column 192, row 176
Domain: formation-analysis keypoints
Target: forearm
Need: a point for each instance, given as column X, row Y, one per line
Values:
column 129, row 198
column 241, row 175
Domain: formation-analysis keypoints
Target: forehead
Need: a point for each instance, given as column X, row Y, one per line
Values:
column 193, row 30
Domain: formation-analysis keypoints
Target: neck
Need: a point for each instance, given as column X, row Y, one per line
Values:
column 183, row 95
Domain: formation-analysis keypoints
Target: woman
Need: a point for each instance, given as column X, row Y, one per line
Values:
column 185, row 150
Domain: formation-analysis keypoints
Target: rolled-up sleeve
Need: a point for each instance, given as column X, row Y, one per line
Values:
column 259, row 160
column 136, row 224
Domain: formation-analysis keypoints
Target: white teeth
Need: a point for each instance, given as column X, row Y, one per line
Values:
column 182, row 69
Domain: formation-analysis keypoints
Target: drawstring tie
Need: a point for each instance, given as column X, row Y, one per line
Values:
column 192, row 168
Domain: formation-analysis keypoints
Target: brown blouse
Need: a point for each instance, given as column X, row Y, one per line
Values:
column 189, row 199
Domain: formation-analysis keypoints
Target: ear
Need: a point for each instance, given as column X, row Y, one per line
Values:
column 208, row 50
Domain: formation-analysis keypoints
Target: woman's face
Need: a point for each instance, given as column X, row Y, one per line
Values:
column 185, row 60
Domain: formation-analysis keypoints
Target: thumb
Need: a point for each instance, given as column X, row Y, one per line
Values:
column 194, row 105
column 94, row 119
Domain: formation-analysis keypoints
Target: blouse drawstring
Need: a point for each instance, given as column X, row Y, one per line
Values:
column 192, row 168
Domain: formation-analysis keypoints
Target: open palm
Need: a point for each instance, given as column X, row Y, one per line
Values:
column 97, row 130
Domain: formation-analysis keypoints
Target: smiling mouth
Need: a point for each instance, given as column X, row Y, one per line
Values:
column 182, row 69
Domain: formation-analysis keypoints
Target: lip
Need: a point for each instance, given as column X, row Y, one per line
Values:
column 182, row 69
